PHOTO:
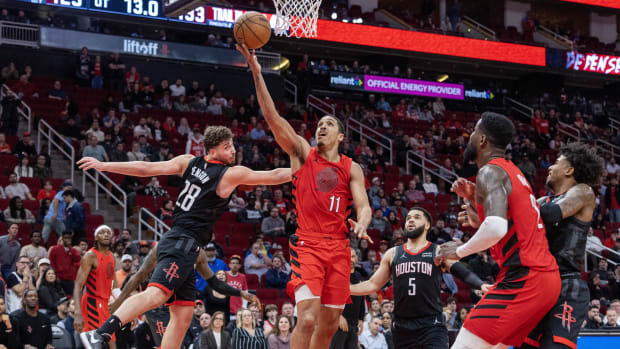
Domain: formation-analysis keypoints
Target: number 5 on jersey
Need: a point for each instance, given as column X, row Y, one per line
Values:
column 188, row 196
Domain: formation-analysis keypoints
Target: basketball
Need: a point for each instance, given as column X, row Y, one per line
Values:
column 252, row 29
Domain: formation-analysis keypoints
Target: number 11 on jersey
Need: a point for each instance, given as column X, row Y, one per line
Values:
column 333, row 199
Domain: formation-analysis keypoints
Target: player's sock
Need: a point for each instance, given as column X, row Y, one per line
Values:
column 111, row 325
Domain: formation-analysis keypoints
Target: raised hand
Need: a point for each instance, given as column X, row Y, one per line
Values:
column 250, row 57
column 88, row 163
column 252, row 299
column 465, row 189
column 469, row 217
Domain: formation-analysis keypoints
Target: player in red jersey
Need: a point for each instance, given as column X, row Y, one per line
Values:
column 94, row 283
column 326, row 185
column 529, row 282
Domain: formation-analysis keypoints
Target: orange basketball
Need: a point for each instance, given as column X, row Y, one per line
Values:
column 252, row 29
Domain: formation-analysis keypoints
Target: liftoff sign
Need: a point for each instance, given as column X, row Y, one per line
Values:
column 592, row 62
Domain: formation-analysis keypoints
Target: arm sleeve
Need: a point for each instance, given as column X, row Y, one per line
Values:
column 222, row 287
column 550, row 213
column 460, row 271
column 491, row 231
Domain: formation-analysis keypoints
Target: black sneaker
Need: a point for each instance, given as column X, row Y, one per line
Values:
column 94, row 340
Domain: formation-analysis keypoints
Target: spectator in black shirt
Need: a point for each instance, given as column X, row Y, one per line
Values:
column 144, row 337
column 71, row 131
column 352, row 317
column 438, row 234
column 62, row 310
column 32, row 327
column 116, row 72
column 7, row 337
column 132, row 186
column 83, row 68
column 483, row 265
column 594, row 320
column 50, row 291
column 25, row 146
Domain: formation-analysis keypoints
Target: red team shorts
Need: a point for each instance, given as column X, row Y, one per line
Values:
column 94, row 312
column 324, row 265
column 511, row 310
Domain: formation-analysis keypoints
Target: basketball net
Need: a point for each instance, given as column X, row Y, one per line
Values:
column 296, row 18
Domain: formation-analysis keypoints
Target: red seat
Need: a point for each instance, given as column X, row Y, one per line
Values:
column 244, row 228
column 252, row 281
column 267, row 293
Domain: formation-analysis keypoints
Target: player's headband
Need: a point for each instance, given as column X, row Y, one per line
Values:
column 101, row 228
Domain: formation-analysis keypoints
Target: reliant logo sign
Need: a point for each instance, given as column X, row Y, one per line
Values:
column 140, row 47
column 473, row 93
column 347, row 80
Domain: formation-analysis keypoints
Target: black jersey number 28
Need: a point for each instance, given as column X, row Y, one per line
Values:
column 188, row 196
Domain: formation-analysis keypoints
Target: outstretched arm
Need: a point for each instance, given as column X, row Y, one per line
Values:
column 285, row 135
column 378, row 279
column 139, row 168
column 241, row 175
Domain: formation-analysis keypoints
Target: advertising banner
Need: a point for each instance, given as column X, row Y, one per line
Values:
column 413, row 87
column 349, row 81
column 74, row 40
column 592, row 62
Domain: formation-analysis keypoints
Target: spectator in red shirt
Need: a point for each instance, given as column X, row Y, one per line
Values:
column 4, row 147
column 65, row 260
column 453, row 123
column 236, row 280
column 610, row 242
column 132, row 77
column 280, row 202
column 46, row 192
column 25, row 88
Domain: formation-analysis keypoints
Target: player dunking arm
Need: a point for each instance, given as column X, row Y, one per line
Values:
column 209, row 183
column 143, row 274
column 567, row 216
column 325, row 185
column 96, row 274
column 528, row 283
column 418, row 316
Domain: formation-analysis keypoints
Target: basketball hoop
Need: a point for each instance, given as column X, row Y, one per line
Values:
column 296, row 17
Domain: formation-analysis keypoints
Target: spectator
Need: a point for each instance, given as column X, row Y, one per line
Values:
column 143, row 250
column 66, row 261
column 250, row 214
column 34, row 250
column 271, row 314
column 611, row 239
column 612, row 200
column 83, row 70
column 62, row 310
column 54, row 219
column 280, row 336
column 247, row 335
column 166, row 210
column 215, row 337
column 118, row 154
column 5, row 148
column 612, row 166
column 9, row 250
column 97, row 81
column 95, row 130
column 18, row 282
column 7, row 337
column 16, row 213
column 132, row 186
column 257, row 262
column 372, row 338
column 598, row 289
column 214, row 300
column 602, row 270
column 71, row 131
column 236, row 280
column 153, row 188
column 215, row 263
column 94, row 150
column 142, row 129
column 177, row 89
column 25, row 146
column 451, row 314
column 135, row 154
column 429, row 187
column 258, row 133
column 132, row 77
column 23, row 170
column 32, row 328
column 612, row 318
column 57, row 92
column 165, row 102
column 9, row 72
column 50, row 291
column 412, row 194
column 277, row 277
column 194, row 145
column 121, row 274
column 379, row 222
column 25, row 88
column 75, row 217
column 42, row 170
column 454, row 14
column 483, row 265
column 274, row 224
column 116, row 72
column 594, row 320
column 453, row 229
column 438, row 108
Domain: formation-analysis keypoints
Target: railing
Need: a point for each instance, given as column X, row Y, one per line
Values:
column 428, row 166
column 158, row 227
column 600, row 255
column 570, row 131
column 121, row 199
column 560, row 39
column 614, row 124
column 269, row 61
column 370, row 133
column 609, row 149
column 15, row 33
column 291, row 88
column 479, row 26
column 22, row 109
column 58, row 141
column 320, row 104
column 519, row 107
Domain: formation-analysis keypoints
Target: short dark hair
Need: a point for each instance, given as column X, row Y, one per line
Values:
column 498, row 128
column 67, row 232
column 587, row 164
column 341, row 128
column 34, row 231
column 427, row 215
column 68, row 193
column 215, row 135
column 82, row 240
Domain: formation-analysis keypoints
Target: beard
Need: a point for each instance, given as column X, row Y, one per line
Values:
column 413, row 234
column 211, row 259
column 470, row 153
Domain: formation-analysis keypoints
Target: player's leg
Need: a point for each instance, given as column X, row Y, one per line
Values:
column 468, row 340
column 329, row 317
column 142, row 302
column 180, row 318
column 308, row 310
column 433, row 337
column 339, row 340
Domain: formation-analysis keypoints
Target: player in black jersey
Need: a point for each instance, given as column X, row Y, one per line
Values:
column 567, row 216
column 418, row 316
column 209, row 182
